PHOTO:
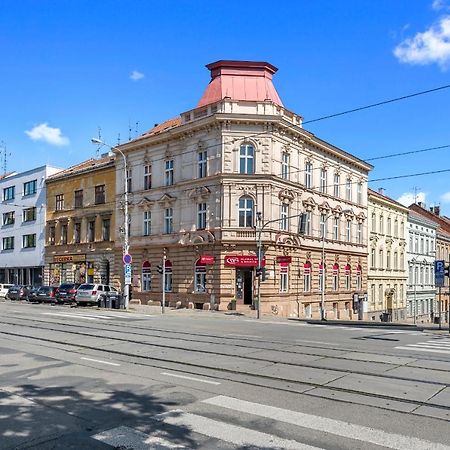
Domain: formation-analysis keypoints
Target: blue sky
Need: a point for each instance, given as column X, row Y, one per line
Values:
column 68, row 67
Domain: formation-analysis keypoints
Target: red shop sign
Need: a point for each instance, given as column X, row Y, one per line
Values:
column 243, row 261
column 206, row 259
column 284, row 259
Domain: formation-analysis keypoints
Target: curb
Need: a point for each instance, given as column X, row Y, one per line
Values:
column 359, row 323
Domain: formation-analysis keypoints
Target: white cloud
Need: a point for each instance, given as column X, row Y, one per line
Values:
column 431, row 46
column 445, row 197
column 52, row 136
column 408, row 198
column 438, row 4
column 136, row 75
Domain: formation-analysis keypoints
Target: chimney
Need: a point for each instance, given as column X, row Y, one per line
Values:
column 421, row 204
column 381, row 191
column 436, row 210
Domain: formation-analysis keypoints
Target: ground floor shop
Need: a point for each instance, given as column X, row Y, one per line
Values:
column 423, row 306
column 29, row 276
column 225, row 277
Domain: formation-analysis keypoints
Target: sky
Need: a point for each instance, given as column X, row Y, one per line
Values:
column 72, row 67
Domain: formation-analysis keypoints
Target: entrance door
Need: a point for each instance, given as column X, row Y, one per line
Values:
column 244, row 286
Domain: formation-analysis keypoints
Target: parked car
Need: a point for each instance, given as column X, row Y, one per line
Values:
column 17, row 292
column 46, row 294
column 90, row 293
column 4, row 289
column 66, row 292
column 32, row 293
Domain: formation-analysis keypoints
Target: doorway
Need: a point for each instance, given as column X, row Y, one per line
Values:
column 244, row 286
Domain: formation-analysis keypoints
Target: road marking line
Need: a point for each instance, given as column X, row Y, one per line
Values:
column 244, row 335
column 316, row 342
column 125, row 437
column 324, row 424
column 185, row 377
column 424, row 349
column 72, row 316
column 100, row 361
column 240, row 436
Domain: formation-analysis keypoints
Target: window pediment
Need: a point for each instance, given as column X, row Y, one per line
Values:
column 145, row 202
column 167, row 199
column 199, row 192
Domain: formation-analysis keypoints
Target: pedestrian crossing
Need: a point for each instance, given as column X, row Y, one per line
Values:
column 196, row 426
column 436, row 345
column 367, row 329
column 101, row 317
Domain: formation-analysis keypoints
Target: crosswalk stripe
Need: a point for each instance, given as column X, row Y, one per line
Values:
column 317, row 423
column 424, row 349
column 72, row 316
column 233, row 434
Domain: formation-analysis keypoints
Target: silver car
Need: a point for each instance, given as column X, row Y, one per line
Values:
column 90, row 293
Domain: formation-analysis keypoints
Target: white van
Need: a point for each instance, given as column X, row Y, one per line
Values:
column 4, row 289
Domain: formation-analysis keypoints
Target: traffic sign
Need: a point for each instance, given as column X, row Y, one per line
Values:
column 127, row 259
column 439, row 273
column 127, row 273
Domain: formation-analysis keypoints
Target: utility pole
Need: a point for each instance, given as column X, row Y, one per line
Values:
column 163, row 304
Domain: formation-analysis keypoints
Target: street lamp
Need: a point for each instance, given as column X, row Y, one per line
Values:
column 126, row 217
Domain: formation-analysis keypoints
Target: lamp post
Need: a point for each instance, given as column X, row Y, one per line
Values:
column 126, row 217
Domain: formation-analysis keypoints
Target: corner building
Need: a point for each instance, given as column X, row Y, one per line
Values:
column 198, row 182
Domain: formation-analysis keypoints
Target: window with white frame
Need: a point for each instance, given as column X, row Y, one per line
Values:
column 147, row 223
column 30, row 187
column 284, row 214
column 348, row 231
column 359, row 192
column 373, row 221
column 359, row 278
column 395, row 260
column 396, row 228
column 323, row 226
column 59, row 202
column 29, row 214
column 308, row 174
column 336, row 184
column 202, row 163
column 284, row 281
column 146, row 281
column 322, row 276
column 307, row 277
column 372, row 258
column 29, row 240
column 8, row 243
column 388, row 259
column 359, row 233
column 381, row 224
column 336, row 228
column 335, row 277
column 348, row 275
column 285, row 161
column 245, row 212
column 169, row 172
column 348, row 189
column 389, row 226
column 129, row 180
column 201, row 216
column 246, row 159
column 147, row 177
column 308, row 224
column 168, row 220
column 9, row 193
column 9, row 218
column 323, row 180
column 381, row 259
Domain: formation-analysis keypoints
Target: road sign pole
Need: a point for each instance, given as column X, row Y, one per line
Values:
column 163, row 304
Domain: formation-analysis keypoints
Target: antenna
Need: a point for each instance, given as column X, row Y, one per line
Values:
column 118, row 138
column 415, row 189
column 100, row 139
column 129, row 130
column 136, row 129
column 4, row 156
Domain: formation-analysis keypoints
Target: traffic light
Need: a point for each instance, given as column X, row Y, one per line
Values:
column 258, row 271
column 159, row 268
column 447, row 271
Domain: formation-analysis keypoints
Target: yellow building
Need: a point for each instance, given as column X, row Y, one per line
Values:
column 79, row 243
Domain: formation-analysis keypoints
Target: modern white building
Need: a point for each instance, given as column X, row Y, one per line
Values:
column 22, row 229
column 421, row 291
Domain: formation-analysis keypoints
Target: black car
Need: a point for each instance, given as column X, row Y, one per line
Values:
column 18, row 292
column 46, row 294
column 32, row 293
column 66, row 292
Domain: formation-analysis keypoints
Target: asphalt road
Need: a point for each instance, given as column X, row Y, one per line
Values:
column 82, row 378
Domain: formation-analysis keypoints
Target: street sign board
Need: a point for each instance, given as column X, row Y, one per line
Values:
column 439, row 273
column 127, row 273
column 127, row 259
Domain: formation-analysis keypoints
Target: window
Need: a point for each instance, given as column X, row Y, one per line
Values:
column 359, row 193
column 380, row 259
column 307, row 277
column 100, row 194
column 336, row 184
column 200, row 277
column 308, row 225
column 9, row 193
column 169, row 173
column 146, row 276
column 388, row 259
column 59, row 202
column 284, row 221
column 77, row 232
column 381, row 224
column 335, row 277
column 359, row 233
column 323, row 226
column 308, row 174
column 129, row 180
column 380, row 294
column 29, row 214
column 395, row 261
column 348, row 280
column 30, row 187
column 285, row 160
column 374, row 223
column 348, row 231
column 202, row 163
column 78, row 199
column 29, row 240
column 8, row 243
column 323, row 180
column 372, row 259
column 168, row 276
column 336, row 228
column 201, row 216
column 147, row 177
column 106, row 229
column 322, row 276
column 246, row 207
column 64, row 233
column 389, row 226
column 147, row 222
column 51, row 235
column 9, row 218
column 396, row 228
column 91, row 231
column 246, row 159
column 284, row 281
column 348, row 189
column 168, row 220
column 372, row 294
column 358, row 278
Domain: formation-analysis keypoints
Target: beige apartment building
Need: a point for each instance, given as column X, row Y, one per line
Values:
column 79, row 244
column 202, row 183
column 387, row 273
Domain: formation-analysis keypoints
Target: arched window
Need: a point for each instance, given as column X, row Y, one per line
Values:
column 348, row 274
column 335, row 277
column 307, row 276
column 200, row 277
column 146, row 276
column 246, row 159
column 168, row 276
column 246, row 209
column 358, row 277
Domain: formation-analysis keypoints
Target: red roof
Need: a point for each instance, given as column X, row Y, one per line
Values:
column 165, row 126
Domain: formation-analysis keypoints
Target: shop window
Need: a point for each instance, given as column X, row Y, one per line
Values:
column 200, row 277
